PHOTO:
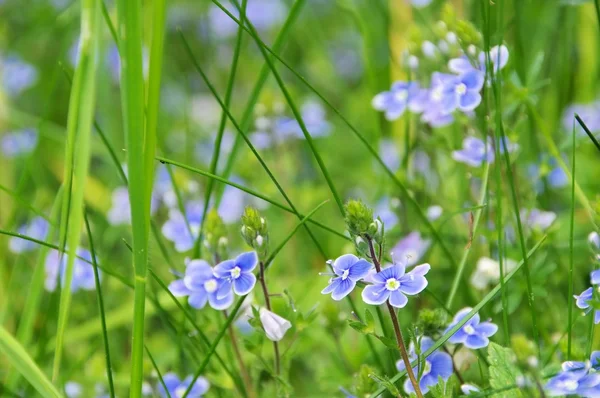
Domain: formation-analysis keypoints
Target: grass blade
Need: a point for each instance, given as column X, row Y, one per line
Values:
column 18, row 357
column 162, row 382
column 571, row 249
column 81, row 116
column 111, row 386
column 587, row 131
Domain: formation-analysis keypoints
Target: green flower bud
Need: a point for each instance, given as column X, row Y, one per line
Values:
column 430, row 322
column 254, row 231
column 358, row 218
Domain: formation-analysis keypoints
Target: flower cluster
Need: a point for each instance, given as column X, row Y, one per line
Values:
column 473, row 334
column 580, row 379
column 586, row 300
column 437, row 364
column 203, row 283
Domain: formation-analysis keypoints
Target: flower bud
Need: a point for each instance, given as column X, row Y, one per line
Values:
column 254, row 231
column 275, row 326
column 594, row 240
column 358, row 218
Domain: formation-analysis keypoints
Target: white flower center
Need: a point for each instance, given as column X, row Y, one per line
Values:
column 436, row 94
column 235, row 272
column 427, row 368
column 570, row 385
column 392, row 284
column 179, row 391
column 469, row 329
column 401, row 95
column 345, row 274
column 210, row 286
column 461, row 89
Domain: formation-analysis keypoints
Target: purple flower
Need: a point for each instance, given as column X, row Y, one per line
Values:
column 411, row 248
column 19, row 142
column 176, row 228
column 264, row 14
column 17, row 75
column 589, row 113
column 538, row 219
column 457, row 92
column 395, row 102
column 37, row 228
column 393, row 284
column 348, row 270
column 177, row 387
column 472, row 334
column 498, row 56
column 83, row 271
column 583, row 301
column 474, row 152
column 437, row 364
column 385, row 211
column 201, row 285
column 577, row 378
column 237, row 273
column 389, row 154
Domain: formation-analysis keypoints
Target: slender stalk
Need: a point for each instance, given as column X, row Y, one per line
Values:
column 238, row 357
column 261, row 278
column 397, row 330
column 571, row 250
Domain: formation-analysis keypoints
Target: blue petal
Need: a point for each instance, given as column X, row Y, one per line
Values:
column 469, row 101
column 486, row 328
column 179, row 289
column 426, row 343
column 171, row 381
column 473, row 80
column 595, row 359
column 441, row 365
column 459, row 337
column 395, row 271
column 583, row 298
column 333, row 283
column 375, row 294
column 421, row 270
column 460, row 315
column 460, row 65
column 247, row 261
column 224, row 288
column 595, row 277
column 395, row 110
column 449, row 102
column 597, row 317
column 397, row 299
column 244, row 284
column 199, row 268
column 410, row 284
column 359, row 270
column 344, row 263
column 343, row 289
column 380, row 101
column 198, row 299
column 466, row 157
column 222, row 270
column 475, row 341
column 220, row 303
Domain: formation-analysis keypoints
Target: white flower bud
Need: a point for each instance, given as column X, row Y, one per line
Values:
column 594, row 240
column 451, row 38
column 472, row 50
column 413, row 62
column 259, row 241
column 429, row 49
column 274, row 325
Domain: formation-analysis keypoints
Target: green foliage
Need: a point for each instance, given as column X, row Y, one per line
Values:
column 215, row 239
column 445, row 389
column 503, row 371
column 430, row 322
column 255, row 231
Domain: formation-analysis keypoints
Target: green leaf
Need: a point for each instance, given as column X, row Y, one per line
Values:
column 389, row 342
column 444, row 389
column 14, row 353
column 385, row 382
column 503, row 371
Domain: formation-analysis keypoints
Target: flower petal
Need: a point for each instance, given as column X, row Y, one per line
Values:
column 475, row 341
column 460, row 65
column 343, row 263
column 411, row 284
column 343, row 289
column 333, row 283
column 224, row 288
column 441, row 365
column 244, row 283
column 469, row 101
column 247, row 261
column 473, row 80
column 397, row 299
column 179, row 289
column 223, row 269
column 375, row 294
column 198, row 299
column 220, row 303
column 359, row 270
column 486, row 328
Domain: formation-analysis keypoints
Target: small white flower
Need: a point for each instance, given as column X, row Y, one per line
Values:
column 488, row 272
column 594, row 239
column 274, row 325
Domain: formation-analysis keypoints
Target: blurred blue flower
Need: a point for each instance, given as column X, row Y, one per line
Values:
column 36, row 228
column 73, row 389
column 233, row 202
column 434, row 212
column 420, row 3
column 17, row 75
column 549, row 170
column 120, row 211
column 458, row 92
column 83, row 270
column 498, row 56
column 393, row 284
column 205, row 148
column 389, row 154
column 472, row 334
column 589, row 113
column 176, row 388
column 19, row 142
column 385, row 210
column 583, row 302
column 176, row 228
column 577, row 378
column 348, row 269
column 264, row 14
column 201, row 285
column 397, row 100
column 536, row 219
column 437, row 364
column 237, row 274
column 411, row 248
column 474, row 152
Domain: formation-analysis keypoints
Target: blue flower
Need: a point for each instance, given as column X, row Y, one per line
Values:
column 583, row 301
column 437, row 364
column 397, row 100
column 595, row 277
column 348, row 270
column 538, row 219
column 176, row 387
column 577, row 378
column 549, row 170
column 385, row 211
column 17, row 75
column 389, row 154
column 19, row 142
column 420, row 3
column 498, row 56
column 472, row 334
column 83, row 271
column 411, row 248
column 37, row 228
column 264, row 14
column 176, row 228
column 237, row 274
column 201, row 285
column 120, row 211
column 457, row 92
column 394, row 283
column 474, row 152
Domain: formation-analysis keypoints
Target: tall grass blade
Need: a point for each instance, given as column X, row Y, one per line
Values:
column 587, row 131
column 571, row 249
column 79, row 128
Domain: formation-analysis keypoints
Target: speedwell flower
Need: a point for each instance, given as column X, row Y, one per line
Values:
column 237, row 274
column 274, row 325
column 474, row 152
column 83, row 271
column 348, row 270
column 472, row 334
column 583, row 301
column 577, row 378
column 437, row 364
column 37, row 228
column 176, row 388
column 397, row 100
column 394, row 283
column 201, row 285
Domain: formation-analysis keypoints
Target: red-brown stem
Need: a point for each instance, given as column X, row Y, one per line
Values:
column 238, row 355
column 261, row 277
column 397, row 330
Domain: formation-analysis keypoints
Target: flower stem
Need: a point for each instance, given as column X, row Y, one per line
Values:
column 397, row 331
column 238, row 355
column 261, row 277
